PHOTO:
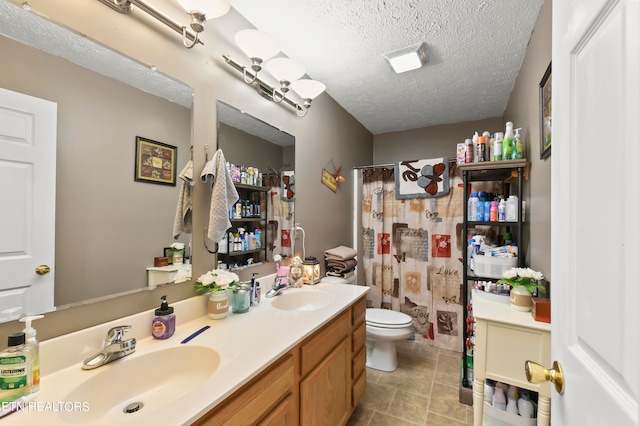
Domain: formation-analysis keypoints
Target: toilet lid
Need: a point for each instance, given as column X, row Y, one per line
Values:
column 386, row 318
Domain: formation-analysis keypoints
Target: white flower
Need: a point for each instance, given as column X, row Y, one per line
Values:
column 223, row 278
column 277, row 258
column 206, row 279
column 510, row 274
column 177, row 246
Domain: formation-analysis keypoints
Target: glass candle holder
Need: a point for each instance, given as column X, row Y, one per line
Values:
column 241, row 299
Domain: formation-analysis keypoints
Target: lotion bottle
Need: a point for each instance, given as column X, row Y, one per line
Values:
column 32, row 344
column 164, row 323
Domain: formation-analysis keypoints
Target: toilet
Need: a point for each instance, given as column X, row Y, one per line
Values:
column 384, row 328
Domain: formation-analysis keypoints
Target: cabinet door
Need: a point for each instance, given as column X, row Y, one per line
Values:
column 325, row 392
column 282, row 415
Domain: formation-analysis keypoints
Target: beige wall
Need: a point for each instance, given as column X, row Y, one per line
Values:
column 108, row 226
column 428, row 142
column 243, row 149
column 523, row 111
column 327, row 133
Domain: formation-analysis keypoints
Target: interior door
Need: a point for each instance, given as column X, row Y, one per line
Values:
column 27, row 196
column 595, row 212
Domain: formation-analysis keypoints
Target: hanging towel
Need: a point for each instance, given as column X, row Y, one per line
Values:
column 182, row 222
column 340, row 253
column 223, row 195
column 422, row 178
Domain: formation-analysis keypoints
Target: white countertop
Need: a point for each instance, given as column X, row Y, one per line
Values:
column 246, row 343
column 485, row 307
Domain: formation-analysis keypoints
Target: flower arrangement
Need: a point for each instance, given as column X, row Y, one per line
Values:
column 216, row 280
column 525, row 277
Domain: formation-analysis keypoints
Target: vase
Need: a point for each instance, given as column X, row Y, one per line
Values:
column 218, row 306
column 520, row 299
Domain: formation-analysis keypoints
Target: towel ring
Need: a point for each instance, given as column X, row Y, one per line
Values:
column 205, row 242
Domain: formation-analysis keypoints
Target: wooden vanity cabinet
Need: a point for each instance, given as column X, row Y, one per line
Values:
column 319, row 382
column 268, row 399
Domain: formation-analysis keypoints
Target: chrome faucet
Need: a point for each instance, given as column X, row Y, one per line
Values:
column 277, row 288
column 113, row 348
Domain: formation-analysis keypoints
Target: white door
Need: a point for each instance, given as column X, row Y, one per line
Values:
column 27, row 196
column 595, row 211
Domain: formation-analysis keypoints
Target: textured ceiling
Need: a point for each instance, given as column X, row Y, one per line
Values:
column 475, row 49
column 28, row 28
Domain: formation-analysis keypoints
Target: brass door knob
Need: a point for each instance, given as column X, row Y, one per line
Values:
column 536, row 373
column 42, row 269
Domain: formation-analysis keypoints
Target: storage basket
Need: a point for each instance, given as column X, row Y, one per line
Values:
column 492, row 416
column 491, row 266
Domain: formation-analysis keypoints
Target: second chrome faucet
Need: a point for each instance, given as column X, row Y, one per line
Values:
column 113, row 348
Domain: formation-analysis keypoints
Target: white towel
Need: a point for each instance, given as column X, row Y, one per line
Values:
column 340, row 253
column 223, row 196
column 182, row 222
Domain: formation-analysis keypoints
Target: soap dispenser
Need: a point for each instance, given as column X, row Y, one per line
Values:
column 164, row 323
column 32, row 344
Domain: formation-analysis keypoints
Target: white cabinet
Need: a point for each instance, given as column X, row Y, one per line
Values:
column 505, row 340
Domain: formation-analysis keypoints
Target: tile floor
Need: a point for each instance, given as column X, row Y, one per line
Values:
column 422, row 391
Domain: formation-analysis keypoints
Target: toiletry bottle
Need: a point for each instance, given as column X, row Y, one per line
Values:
column 255, row 289
column 15, row 369
column 502, row 210
column 499, row 400
column 507, row 143
column 474, row 140
column 518, row 149
column 472, row 207
column 493, row 212
column 526, row 408
column 31, row 342
column 468, row 157
column 164, row 323
column 481, row 149
column 497, row 147
column 488, row 391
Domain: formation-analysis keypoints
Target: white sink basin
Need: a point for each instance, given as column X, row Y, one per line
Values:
column 153, row 380
column 302, row 300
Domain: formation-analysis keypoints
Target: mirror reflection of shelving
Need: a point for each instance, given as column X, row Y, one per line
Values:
column 245, row 243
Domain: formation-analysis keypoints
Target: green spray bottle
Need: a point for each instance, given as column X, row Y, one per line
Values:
column 518, row 150
column 507, row 143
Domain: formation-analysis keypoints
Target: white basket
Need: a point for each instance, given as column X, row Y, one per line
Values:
column 492, row 416
column 491, row 266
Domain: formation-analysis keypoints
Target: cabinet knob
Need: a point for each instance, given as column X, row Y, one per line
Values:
column 536, row 373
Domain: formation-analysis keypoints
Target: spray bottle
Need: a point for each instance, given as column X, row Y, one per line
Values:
column 32, row 344
column 518, row 151
column 507, row 143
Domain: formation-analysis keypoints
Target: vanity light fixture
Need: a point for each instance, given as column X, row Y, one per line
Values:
column 198, row 10
column 407, row 59
column 260, row 47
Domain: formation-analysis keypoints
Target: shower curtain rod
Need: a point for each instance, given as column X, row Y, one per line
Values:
column 385, row 165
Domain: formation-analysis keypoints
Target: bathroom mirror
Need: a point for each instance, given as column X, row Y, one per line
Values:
column 109, row 227
column 249, row 141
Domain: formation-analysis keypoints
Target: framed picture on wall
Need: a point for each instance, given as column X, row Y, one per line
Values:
column 545, row 114
column 155, row 162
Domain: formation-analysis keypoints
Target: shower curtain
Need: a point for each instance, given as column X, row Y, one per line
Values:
column 279, row 218
column 412, row 256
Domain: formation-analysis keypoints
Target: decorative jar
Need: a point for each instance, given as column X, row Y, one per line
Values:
column 520, row 299
column 218, row 306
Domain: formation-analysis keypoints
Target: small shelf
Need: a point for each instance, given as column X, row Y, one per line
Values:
column 251, row 187
column 241, row 252
column 491, row 223
column 247, row 219
column 491, row 170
